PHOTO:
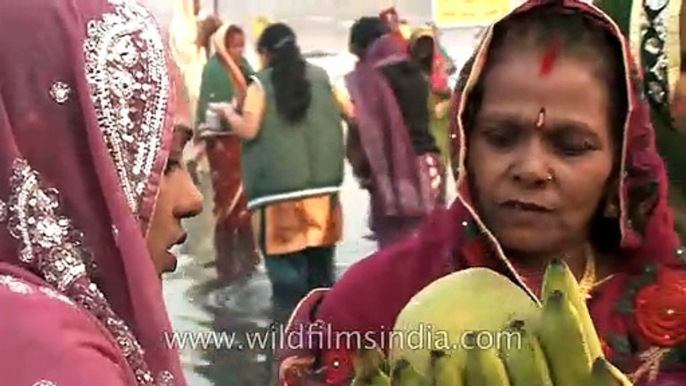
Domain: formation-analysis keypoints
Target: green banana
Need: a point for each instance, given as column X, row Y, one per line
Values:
column 370, row 366
column 380, row 379
column 405, row 375
column 601, row 375
column 525, row 362
column 483, row 367
column 605, row 374
column 444, row 371
column 558, row 277
column 563, row 341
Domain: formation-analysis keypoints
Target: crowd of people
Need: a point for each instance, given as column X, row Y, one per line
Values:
column 276, row 157
column 561, row 142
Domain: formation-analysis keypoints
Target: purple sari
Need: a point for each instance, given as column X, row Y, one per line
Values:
column 404, row 186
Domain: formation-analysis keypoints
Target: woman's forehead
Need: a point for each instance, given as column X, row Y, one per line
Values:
column 537, row 75
column 569, row 90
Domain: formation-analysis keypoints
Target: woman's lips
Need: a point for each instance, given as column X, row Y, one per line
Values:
column 525, row 206
column 172, row 260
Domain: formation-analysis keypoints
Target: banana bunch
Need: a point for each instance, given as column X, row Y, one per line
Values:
column 558, row 348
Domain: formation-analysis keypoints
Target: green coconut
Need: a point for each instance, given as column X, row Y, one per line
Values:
column 444, row 313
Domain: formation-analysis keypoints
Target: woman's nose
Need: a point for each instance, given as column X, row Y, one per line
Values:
column 531, row 167
column 189, row 199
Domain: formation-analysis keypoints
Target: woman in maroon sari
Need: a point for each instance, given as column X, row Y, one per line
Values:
column 225, row 78
column 556, row 158
column 92, row 193
column 392, row 152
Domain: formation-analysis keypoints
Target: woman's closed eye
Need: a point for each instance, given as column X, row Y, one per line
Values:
column 573, row 144
column 502, row 136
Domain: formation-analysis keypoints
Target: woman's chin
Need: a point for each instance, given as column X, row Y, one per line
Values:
column 527, row 242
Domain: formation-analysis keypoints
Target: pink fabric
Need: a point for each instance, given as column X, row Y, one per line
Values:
column 394, row 174
column 451, row 240
column 44, row 42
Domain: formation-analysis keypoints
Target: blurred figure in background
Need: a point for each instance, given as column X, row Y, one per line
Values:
column 397, row 27
column 390, row 148
column 654, row 30
column 425, row 51
column 292, row 160
column 189, row 34
column 225, row 79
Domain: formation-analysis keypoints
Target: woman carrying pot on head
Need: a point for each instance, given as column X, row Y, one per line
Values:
column 292, row 163
column 557, row 160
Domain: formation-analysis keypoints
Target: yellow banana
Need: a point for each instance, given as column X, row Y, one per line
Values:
column 444, row 371
column 483, row 366
column 558, row 277
column 563, row 341
column 405, row 375
column 369, row 366
column 524, row 360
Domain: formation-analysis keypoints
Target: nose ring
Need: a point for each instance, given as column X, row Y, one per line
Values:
column 549, row 177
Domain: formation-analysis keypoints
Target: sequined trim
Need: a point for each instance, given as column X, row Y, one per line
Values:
column 49, row 292
column 51, row 246
column 15, row 285
column 20, row 287
column 3, row 211
column 47, row 241
column 45, row 383
column 129, row 82
column 165, row 378
column 59, row 92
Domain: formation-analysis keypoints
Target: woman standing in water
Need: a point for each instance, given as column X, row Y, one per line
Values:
column 390, row 148
column 292, row 167
column 88, row 218
column 557, row 159
column 225, row 78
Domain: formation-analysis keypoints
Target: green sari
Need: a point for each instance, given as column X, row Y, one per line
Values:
column 641, row 24
column 217, row 85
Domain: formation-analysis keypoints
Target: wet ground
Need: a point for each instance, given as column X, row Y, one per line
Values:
column 199, row 304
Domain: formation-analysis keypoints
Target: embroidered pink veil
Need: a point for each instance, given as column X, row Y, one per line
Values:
column 85, row 131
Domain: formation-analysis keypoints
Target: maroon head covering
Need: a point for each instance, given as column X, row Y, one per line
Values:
column 85, row 132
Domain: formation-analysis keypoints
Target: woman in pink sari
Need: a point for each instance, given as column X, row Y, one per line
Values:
column 91, row 187
column 390, row 147
column 557, row 160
